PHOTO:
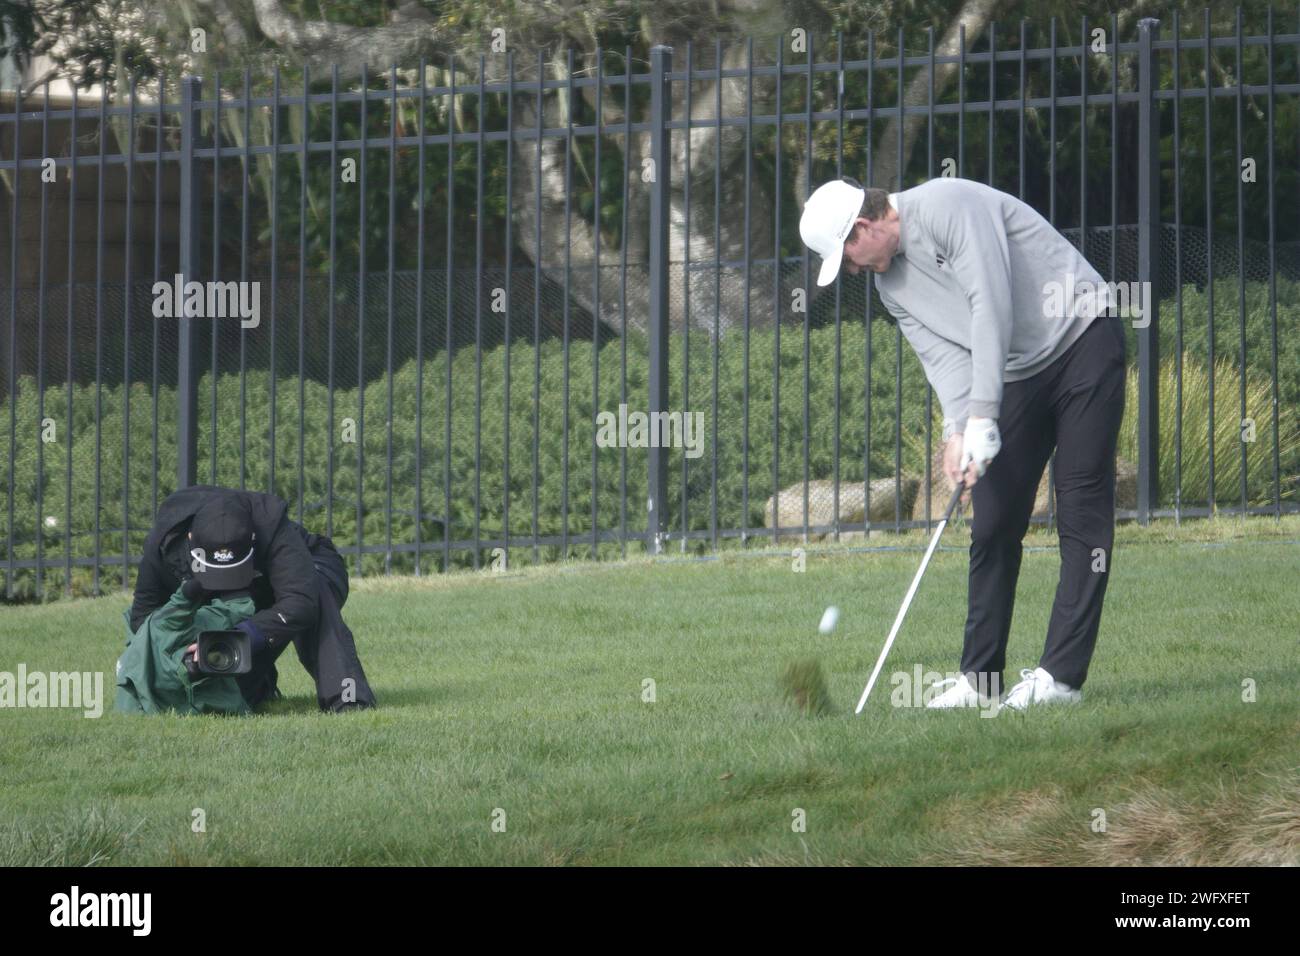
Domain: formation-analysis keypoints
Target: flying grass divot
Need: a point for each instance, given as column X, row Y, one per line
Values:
column 804, row 687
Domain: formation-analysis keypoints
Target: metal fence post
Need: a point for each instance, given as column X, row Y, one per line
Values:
column 661, row 58
column 187, row 345
column 1148, row 369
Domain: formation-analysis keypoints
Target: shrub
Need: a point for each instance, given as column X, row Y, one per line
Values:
column 457, row 497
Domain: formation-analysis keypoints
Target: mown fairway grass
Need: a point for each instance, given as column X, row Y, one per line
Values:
column 523, row 691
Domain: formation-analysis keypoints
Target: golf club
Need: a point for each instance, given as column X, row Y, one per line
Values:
column 911, row 592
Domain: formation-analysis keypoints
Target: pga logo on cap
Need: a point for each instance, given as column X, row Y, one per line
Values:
column 224, row 555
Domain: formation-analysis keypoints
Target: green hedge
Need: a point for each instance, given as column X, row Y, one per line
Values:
column 490, row 448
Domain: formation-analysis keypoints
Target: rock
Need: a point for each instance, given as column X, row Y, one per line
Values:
column 821, row 506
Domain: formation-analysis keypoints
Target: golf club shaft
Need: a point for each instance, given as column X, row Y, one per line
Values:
column 911, row 592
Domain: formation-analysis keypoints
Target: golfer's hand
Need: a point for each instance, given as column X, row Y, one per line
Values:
column 980, row 444
column 952, row 463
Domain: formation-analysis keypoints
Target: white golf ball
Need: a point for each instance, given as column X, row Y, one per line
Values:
column 830, row 617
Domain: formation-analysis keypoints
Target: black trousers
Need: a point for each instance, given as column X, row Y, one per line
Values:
column 1075, row 406
column 329, row 652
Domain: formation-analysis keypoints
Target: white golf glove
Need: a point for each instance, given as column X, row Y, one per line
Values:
column 980, row 444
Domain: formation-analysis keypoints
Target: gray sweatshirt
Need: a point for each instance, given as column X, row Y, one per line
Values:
column 970, row 285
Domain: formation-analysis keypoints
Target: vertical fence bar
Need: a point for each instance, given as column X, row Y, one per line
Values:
column 993, row 95
column 717, row 287
column 568, row 261
column 243, row 277
column 1148, row 271
column 361, row 320
column 839, row 286
column 929, row 103
column 961, row 100
column 898, row 332
column 1051, row 124
column 537, row 291
column 1051, row 218
column 389, row 304
column 216, row 270
column 661, row 60
column 74, row 179
column 187, row 372
column 1023, row 43
column 451, row 298
column 13, row 338
column 329, row 343
column 929, row 172
column 1083, row 137
column 99, row 329
column 302, row 286
column 1211, row 502
column 419, row 323
column 419, row 327
column 622, row 291
column 1178, row 272
column 157, row 268
column 1241, row 260
column 510, row 195
column 39, row 517
column 686, row 285
column 744, row 403
column 807, row 342
column 595, row 283
column 776, row 304
column 867, row 307
column 1114, row 143
column 128, row 244
column 1272, row 276
column 478, row 317
column 275, row 275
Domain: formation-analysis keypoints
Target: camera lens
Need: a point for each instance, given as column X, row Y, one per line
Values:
column 221, row 657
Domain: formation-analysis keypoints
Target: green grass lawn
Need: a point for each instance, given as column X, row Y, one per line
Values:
column 523, row 692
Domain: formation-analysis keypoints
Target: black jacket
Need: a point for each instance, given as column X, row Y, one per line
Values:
column 285, row 591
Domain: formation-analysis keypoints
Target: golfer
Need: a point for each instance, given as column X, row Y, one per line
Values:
column 1011, row 325
column 214, row 539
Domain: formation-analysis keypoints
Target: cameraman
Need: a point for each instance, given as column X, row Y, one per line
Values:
column 216, row 539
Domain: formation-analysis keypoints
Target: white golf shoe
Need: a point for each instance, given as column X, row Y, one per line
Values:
column 961, row 693
column 1039, row 687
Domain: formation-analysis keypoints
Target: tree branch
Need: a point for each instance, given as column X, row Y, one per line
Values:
column 410, row 31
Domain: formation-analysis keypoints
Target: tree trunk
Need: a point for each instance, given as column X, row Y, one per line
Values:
column 975, row 14
column 580, row 239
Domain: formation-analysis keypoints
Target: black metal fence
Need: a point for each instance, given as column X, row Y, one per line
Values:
column 433, row 401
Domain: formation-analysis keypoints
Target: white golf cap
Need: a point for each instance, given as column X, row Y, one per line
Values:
column 827, row 220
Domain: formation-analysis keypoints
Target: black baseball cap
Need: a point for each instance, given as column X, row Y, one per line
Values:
column 221, row 544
